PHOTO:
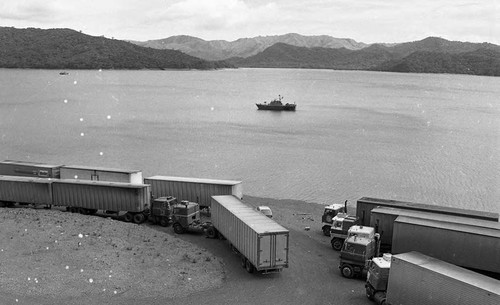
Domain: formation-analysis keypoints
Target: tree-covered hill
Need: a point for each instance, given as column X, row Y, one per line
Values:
column 69, row 49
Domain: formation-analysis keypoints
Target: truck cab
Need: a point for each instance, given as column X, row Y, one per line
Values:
column 378, row 277
column 161, row 210
column 330, row 212
column 186, row 216
column 362, row 244
column 340, row 226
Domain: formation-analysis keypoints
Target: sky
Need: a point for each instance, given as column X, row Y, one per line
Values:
column 368, row 21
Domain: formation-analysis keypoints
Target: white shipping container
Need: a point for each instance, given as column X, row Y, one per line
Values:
column 460, row 244
column 25, row 190
column 383, row 218
column 101, row 195
column 29, row 169
column 260, row 239
column 101, row 174
column 417, row 279
column 193, row 189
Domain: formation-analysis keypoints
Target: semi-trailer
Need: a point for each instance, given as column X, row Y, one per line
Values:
column 261, row 242
column 25, row 190
column 382, row 219
column 471, row 247
column 415, row 279
column 29, row 169
column 366, row 204
column 114, row 197
column 193, row 189
column 132, row 201
column 101, row 174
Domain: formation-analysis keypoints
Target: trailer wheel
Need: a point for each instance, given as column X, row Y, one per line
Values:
column 211, row 232
column 243, row 262
column 163, row 222
column 337, row 244
column 178, row 228
column 139, row 218
column 326, row 230
column 128, row 217
column 248, row 266
column 347, row 271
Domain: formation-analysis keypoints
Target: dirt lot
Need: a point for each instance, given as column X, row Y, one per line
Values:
column 54, row 257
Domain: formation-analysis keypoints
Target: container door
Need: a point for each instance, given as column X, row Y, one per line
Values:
column 274, row 250
column 281, row 256
column 265, row 242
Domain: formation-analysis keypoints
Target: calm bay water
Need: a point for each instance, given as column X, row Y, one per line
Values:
column 415, row 137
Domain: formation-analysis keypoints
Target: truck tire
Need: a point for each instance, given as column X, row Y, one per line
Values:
column 128, row 217
column 326, row 230
column 337, row 244
column 369, row 292
column 211, row 232
column 347, row 271
column 178, row 228
column 139, row 218
column 243, row 262
column 248, row 266
column 163, row 222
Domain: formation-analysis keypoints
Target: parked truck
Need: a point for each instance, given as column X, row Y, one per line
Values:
column 329, row 213
column 29, row 169
column 382, row 219
column 366, row 204
column 340, row 228
column 471, row 247
column 260, row 241
column 193, row 189
column 416, row 279
column 361, row 244
column 186, row 217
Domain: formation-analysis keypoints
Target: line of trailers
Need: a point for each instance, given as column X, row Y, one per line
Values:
column 435, row 250
column 260, row 241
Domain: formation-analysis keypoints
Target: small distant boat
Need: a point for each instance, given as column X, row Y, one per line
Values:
column 276, row 105
column 63, row 73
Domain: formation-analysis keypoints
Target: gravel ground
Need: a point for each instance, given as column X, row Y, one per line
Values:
column 47, row 253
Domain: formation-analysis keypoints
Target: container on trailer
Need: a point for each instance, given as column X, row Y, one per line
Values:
column 460, row 244
column 29, row 169
column 25, row 190
column 101, row 174
column 382, row 219
column 366, row 204
column 416, row 279
column 193, row 189
column 101, row 195
column 260, row 239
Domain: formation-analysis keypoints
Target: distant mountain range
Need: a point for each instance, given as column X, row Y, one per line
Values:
column 245, row 47
column 69, row 49
column 430, row 55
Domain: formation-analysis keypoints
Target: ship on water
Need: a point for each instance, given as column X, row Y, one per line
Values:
column 276, row 105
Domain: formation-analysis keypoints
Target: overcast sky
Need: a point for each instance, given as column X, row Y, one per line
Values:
column 366, row 21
